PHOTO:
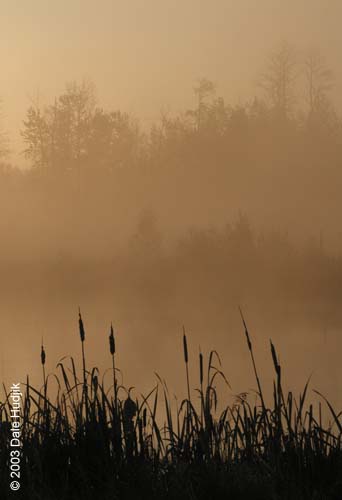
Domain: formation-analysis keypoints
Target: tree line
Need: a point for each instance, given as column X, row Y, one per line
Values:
column 294, row 110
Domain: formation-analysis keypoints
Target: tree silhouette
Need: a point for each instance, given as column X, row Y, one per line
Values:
column 318, row 80
column 278, row 81
column 4, row 141
column 203, row 89
column 73, row 132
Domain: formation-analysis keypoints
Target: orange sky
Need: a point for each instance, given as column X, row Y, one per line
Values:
column 145, row 55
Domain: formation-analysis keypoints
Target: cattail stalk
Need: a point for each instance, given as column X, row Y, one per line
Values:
column 82, row 336
column 43, row 358
column 201, row 382
column 186, row 359
column 112, row 351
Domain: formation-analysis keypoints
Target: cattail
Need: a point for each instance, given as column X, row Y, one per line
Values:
column 85, row 387
column 201, row 367
column 185, row 347
column 42, row 359
column 274, row 357
column 186, row 359
column 112, row 341
column 112, row 351
column 42, row 354
column 80, row 322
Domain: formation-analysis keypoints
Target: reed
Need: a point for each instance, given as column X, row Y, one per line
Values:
column 239, row 448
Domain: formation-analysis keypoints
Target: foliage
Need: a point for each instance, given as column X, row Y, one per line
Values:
column 73, row 132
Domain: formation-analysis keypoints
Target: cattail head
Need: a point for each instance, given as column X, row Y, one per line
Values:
column 185, row 346
column 81, row 327
column 42, row 354
column 201, row 367
column 112, row 341
column 274, row 357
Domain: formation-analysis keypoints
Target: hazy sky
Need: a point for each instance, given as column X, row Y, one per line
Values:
column 146, row 54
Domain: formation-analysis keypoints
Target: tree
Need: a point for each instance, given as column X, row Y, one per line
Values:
column 318, row 82
column 318, row 79
column 58, row 134
column 36, row 136
column 322, row 121
column 74, row 132
column 113, row 139
column 278, row 81
column 4, row 149
column 72, row 118
column 147, row 240
column 204, row 89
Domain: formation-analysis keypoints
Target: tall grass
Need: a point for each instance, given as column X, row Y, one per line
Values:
column 102, row 443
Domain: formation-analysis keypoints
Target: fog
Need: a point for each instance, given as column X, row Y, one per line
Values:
column 144, row 57
column 163, row 165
